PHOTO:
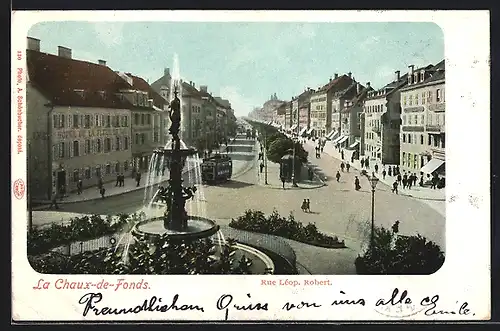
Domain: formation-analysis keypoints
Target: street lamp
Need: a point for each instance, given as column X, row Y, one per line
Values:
column 294, row 184
column 265, row 156
column 373, row 181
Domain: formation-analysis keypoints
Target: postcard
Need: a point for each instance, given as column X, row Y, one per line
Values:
column 244, row 166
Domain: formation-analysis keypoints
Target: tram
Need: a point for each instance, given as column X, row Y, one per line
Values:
column 216, row 169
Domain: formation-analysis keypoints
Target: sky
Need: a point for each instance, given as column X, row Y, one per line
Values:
column 247, row 62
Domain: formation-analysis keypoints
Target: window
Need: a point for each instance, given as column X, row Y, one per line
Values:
column 97, row 120
column 76, row 148
column 136, row 119
column 438, row 95
column 87, row 147
column 148, row 118
column 125, row 118
column 403, row 158
column 76, row 176
column 421, row 139
column 62, row 149
column 422, row 119
column 429, row 96
column 143, row 119
column 62, row 121
column 429, row 140
column 117, row 167
column 126, row 144
column 422, row 77
column 404, row 100
column 137, row 139
column 410, row 100
column 415, row 161
column 125, row 166
column 108, row 169
column 423, row 98
column 75, row 121
column 415, row 118
column 409, row 139
column 117, row 145
column 417, row 99
column 87, row 121
column 155, row 136
column 107, row 145
column 98, row 171
column 87, row 173
column 404, row 137
column 98, row 146
column 409, row 119
column 108, row 121
column 442, row 141
column 143, row 138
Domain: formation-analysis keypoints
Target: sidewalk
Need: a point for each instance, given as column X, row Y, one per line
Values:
column 424, row 193
column 273, row 178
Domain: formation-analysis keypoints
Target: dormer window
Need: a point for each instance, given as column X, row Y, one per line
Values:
column 422, row 76
column 102, row 94
column 80, row 92
column 415, row 79
column 409, row 79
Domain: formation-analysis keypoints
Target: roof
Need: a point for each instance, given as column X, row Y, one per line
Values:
column 140, row 84
column 338, row 83
column 392, row 86
column 433, row 73
column 358, row 98
column 281, row 109
column 57, row 78
column 191, row 90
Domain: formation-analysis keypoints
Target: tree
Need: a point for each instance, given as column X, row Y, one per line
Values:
column 400, row 255
column 280, row 147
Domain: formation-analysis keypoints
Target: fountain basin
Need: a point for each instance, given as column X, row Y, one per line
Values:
column 198, row 227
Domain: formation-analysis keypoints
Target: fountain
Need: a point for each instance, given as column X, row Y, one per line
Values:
column 175, row 223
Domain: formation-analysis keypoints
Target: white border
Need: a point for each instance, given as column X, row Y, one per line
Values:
column 465, row 275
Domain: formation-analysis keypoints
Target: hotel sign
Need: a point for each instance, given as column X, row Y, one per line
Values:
column 416, row 109
column 437, row 107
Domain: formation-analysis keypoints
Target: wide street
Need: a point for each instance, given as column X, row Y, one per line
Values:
column 336, row 208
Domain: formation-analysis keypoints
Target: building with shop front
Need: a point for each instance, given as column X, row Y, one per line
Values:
column 300, row 111
column 423, row 121
column 321, row 104
column 149, row 119
column 78, row 122
column 279, row 116
column 382, row 117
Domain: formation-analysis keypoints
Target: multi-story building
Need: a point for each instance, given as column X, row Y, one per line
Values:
column 78, row 122
column 288, row 115
column 268, row 109
column 192, row 118
column 350, row 120
column 423, row 120
column 321, row 104
column 382, row 117
column 208, row 115
column 300, row 111
column 340, row 100
column 150, row 119
column 229, row 118
column 279, row 116
column 162, row 85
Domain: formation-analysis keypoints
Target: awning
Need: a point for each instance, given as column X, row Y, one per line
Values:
column 344, row 138
column 336, row 140
column 432, row 166
column 302, row 131
column 293, row 127
column 310, row 130
column 356, row 143
column 329, row 136
column 335, row 135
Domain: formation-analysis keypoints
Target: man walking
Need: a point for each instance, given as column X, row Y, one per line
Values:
column 283, row 180
column 342, row 166
column 376, row 168
column 53, row 201
column 138, row 178
column 261, row 165
column 395, row 187
column 347, row 166
column 337, row 176
column 362, row 163
column 79, row 186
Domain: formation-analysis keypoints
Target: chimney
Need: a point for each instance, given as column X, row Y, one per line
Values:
column 34, row 44
column 64, row 52
column 368, row 84
column 204, row 88
column 358, row 88
column 166, row 72
column 398, row 75
column 101, row 62
column 330, row 79
column 349, row 74
column 336, row 76
column 412, row 68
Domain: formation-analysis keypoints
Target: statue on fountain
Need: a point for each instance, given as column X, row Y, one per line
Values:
column 175, row 115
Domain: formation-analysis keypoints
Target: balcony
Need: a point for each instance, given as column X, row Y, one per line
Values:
column 409, row 128
column 435, row 128
column 437, row 107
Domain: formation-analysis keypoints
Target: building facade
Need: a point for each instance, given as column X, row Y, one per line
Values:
column 423, row 121
column 78, row 122
column 300, row 111
column 382, row 119
column 321, row 104
column 350, row 119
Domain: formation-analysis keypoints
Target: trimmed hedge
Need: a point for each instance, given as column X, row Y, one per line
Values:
column 274, row 224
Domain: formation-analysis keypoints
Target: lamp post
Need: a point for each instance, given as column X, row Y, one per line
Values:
column 265, row 156
column 373, row 181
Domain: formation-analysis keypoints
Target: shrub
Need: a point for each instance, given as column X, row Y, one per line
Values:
column 400, row 255
column 286, row 227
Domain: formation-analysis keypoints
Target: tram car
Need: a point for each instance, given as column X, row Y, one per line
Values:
column 216, row 169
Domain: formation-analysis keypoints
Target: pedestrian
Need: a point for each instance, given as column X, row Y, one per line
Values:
column 376, row 168
column 390, row 171
column 352, row 158
column 102, row 191
column 395, row 187
column 347, row 166
column 261, row 167
column 338, row 176
column 117, row 180
column 79, row 186
column 399, row 179
column 53, row 201
column 260, row 156
column 367, row 163
column 283, row 180
column 342, row 154
column 138, row 179
column 342, row 166
column 308, row 205
column 395, row 227
column 414, row 179
column 304, row 206
column 409, row 181
column 383, row 174
column 356, row 184
column 362, row 163
column 123, row 177
column 434, row 182
column 405, row 181
column 99, row 183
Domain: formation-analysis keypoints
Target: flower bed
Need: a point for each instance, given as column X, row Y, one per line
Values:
column 41, row 240
column 284, row 227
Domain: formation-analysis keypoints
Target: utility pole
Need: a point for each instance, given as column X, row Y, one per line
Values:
column 294, row 140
